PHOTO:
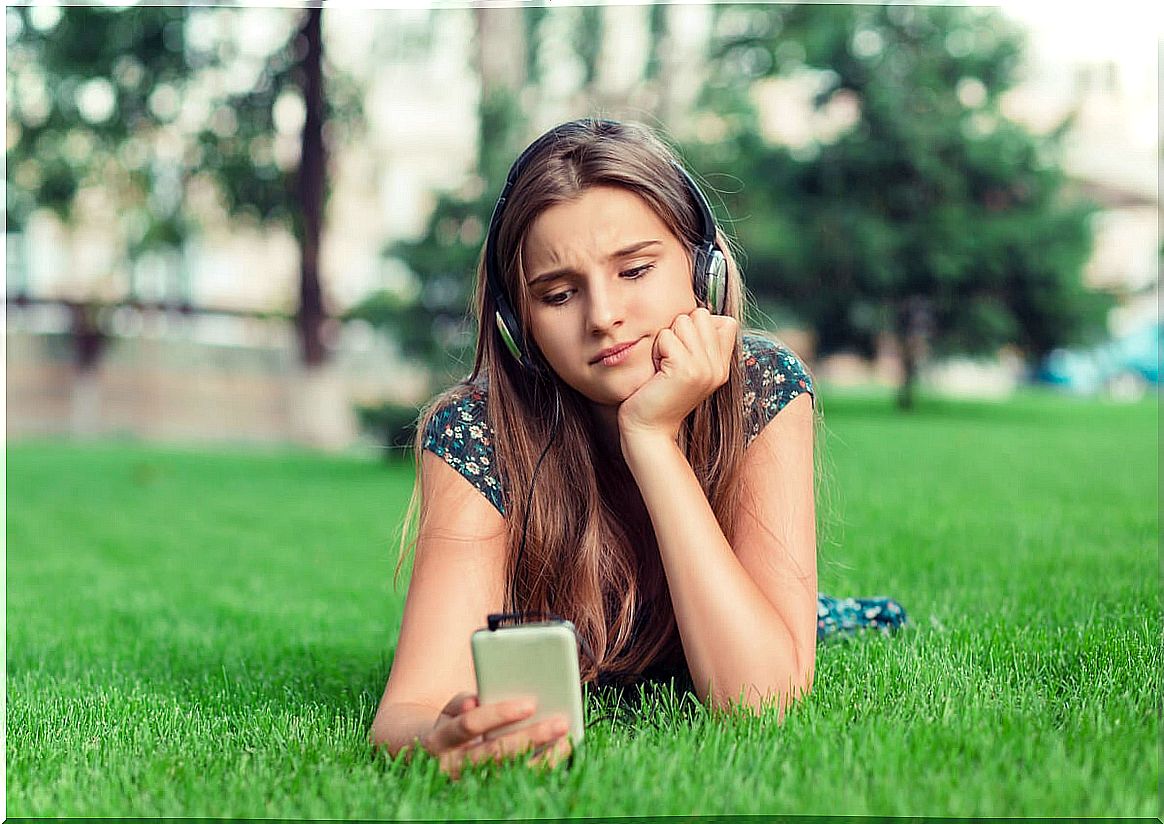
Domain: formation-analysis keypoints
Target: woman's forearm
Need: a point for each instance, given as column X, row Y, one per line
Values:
column 733, row 638
column 398, row 726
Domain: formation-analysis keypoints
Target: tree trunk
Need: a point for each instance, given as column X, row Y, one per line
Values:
column 905, row 393
column 321, row 415
column 89, row 341
column 682, row 68
column 311, row 315
column 500, row 54
column 914, row 326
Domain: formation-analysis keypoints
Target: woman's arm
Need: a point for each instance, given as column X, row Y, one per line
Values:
column 746, row 613
column 457, row 580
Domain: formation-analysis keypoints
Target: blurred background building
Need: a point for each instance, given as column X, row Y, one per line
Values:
column 195, row 340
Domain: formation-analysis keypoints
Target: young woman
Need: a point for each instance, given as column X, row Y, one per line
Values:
column 621, row 456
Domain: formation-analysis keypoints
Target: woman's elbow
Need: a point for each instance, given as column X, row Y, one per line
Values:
column 801, row 684
column 760, row 699
column 380, row 737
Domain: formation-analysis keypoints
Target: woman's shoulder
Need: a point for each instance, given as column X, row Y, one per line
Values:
column 764, row 353
column 457, row 430
column 773, row 376
column 463, row 403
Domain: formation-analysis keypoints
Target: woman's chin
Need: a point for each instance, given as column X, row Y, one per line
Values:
column 627, row 387
column 616, row 387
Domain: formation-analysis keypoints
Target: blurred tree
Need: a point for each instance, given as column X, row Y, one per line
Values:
column 435, row 324
column 310, row 190
column 88, row 89
column 142, row 101
column 902, row 202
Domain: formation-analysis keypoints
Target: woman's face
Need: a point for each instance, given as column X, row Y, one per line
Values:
column 604, row 271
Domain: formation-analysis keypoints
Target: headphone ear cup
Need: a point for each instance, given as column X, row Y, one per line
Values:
column 507, row 338
column 699, row 274
column 716, row 281
column 711, row 278
column 509, row 328
column 510, row 331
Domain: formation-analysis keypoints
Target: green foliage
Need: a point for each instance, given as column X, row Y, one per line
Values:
column 657, row 30
column 392, row 425
column 931, row 197
column 144, row 58
column 394, row 313
column 434, row 324
column 532, row 19
column 588, row 39
column 62, row 144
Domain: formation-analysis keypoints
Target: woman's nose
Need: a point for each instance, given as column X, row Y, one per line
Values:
column 605, row 308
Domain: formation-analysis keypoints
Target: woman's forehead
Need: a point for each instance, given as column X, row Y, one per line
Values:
column 602, row 220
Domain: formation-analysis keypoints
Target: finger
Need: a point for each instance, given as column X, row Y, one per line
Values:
column 519, row 742
column 698, row 337
column 667, row 347
column 719, row 332
column 701, row 335
column 703, row 320
column 476, row 722
column 459, row 703
column 438, row 739
column 485, row 719
column 552, row 755
column 450, row 764
column 709, row 337
column 727, row 331
column 684, row 328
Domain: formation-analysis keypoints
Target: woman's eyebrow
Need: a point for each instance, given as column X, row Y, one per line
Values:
column 626, row 251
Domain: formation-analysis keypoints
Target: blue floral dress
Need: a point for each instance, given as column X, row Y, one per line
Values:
column 773, row 375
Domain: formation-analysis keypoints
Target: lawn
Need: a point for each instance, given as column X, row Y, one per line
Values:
column 207, row 633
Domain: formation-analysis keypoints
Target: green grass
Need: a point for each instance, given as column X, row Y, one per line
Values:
column 207, row 634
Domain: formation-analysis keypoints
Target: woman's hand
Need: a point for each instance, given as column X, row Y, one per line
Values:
column 458, row 735
column 692, row 359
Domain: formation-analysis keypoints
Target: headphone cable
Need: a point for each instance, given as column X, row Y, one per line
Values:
column 529, row 498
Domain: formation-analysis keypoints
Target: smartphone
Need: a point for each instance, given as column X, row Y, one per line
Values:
column 536, row 660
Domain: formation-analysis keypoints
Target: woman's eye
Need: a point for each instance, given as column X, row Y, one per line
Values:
column 556, row 299
column 638, row 271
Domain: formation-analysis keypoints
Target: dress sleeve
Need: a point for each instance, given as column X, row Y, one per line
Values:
column 459, row 433
column 773, row 376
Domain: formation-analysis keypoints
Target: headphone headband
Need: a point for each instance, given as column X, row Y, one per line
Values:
column 710, row 267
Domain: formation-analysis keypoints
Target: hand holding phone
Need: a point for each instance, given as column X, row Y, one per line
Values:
column 535, row 662
column 459, row 735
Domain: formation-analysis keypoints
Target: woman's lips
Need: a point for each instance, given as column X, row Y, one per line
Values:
column 618, row 357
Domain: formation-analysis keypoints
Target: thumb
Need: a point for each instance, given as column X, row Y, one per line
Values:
column 460, row 703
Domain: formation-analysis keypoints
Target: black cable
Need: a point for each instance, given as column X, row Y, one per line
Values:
column 529, row 498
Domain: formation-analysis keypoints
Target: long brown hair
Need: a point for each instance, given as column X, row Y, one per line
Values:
column 590, row 554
